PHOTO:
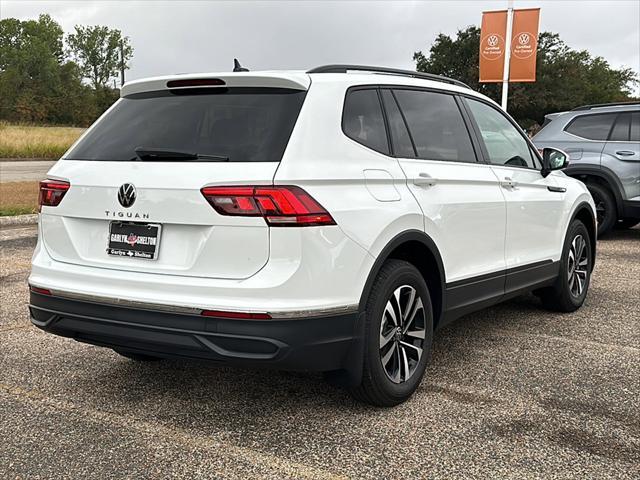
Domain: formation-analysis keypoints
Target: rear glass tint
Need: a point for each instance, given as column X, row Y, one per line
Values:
column 436, row 126
column 362, row 120
column 621, row 128
column 635, row 127
column 242, row 124
column 592, row 127
column 400, row 139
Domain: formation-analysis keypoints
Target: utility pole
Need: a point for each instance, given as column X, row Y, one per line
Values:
column 121, row 63
column 507, row 56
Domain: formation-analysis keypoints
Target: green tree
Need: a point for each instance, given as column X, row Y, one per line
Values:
column 97, row 49
column 31, row 81
column 565, row 79
column 39, row 83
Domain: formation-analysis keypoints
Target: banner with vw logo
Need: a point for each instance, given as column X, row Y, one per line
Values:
column 523, row 45
column 492, row 45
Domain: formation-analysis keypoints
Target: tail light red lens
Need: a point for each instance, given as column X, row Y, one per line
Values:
column 41, row 291
column 52, row 192
column 280, row 206
column 236, row 315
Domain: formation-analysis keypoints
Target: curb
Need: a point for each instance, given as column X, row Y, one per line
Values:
column 29, row 159
column 19, row 220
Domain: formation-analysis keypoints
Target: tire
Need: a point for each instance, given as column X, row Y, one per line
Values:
column 571, row 287
column 137, row 357
column 606, row 209
column 627, row 223
column 395, row 357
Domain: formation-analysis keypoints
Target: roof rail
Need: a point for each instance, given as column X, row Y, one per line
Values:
column 390, row 71
column 597, row 105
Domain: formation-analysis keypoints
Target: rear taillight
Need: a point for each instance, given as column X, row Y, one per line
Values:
column 41, row 291
column 236, row 315
column 51, row 192
column 280, row 206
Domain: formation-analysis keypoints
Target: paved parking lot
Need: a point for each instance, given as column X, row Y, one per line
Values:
column 23, row 170
column 513, row 391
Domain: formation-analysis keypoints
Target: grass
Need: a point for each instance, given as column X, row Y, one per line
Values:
column 29, row 141
column 18, row 198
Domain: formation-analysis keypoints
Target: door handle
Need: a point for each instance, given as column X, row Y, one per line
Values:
column 625, row 153
column 509, row 183
column 424, row 180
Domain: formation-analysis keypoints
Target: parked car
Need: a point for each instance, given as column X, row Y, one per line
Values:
column 603, row 143
column 326, row 220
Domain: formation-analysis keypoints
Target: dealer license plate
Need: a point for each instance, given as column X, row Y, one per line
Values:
column 134, row 240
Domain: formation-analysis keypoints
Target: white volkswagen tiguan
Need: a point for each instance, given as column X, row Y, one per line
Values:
column 326, row 220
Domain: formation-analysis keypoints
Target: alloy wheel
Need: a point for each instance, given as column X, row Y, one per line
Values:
column 577, row 266
column 402, row 334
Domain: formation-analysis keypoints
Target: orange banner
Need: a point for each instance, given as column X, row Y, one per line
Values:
column 524, row 43
column 492, row 45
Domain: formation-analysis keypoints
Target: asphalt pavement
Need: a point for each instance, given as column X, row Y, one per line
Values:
column 24, row 170
column 513, row 391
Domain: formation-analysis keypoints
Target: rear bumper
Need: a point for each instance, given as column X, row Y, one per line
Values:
column 316, row 344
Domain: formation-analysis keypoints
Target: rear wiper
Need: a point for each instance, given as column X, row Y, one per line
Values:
column 163, row 155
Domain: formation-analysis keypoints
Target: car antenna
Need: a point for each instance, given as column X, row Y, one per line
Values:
column 237, row 67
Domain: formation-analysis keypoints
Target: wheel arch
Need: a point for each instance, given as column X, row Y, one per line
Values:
column 584, row 213
column 605, row 177
column 419, row 249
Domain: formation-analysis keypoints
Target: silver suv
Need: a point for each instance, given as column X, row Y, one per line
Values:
column 603, row 143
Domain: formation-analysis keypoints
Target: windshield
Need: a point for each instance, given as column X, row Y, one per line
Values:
column 240, row 124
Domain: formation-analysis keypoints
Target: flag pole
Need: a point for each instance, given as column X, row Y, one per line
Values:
column 507, row 56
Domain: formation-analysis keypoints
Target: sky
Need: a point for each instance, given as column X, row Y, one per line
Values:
column 205, row 36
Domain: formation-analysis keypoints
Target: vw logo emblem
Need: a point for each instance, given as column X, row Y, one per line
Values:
column 127, row 195
column 523, row 39
column 492, row 40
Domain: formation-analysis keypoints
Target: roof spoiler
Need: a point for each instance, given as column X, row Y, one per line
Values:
column 293, row 81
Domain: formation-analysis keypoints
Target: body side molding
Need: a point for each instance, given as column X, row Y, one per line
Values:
column 472, row 294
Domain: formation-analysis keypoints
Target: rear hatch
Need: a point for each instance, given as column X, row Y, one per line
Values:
column 164, row 145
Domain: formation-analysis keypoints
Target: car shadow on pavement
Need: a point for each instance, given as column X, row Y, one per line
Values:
column 622, row 234
column 515, row 347
column 265, row 391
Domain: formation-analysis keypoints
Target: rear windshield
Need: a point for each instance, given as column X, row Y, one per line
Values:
column 240, row 124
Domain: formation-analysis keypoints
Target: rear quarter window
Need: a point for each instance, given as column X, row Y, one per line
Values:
column 592, row 127
column 241, row 124
column 362, row 119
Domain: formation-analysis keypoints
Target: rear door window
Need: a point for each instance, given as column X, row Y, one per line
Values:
column 362, row 119
column 621, row 128
column 240, row 124
column 635, row 127
column 436, row 125
column 592, row 127
column 400, row 139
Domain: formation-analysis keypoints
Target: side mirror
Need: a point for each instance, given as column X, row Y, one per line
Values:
column 553, row 159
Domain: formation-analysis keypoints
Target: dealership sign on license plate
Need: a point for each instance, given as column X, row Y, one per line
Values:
column 134, row 240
